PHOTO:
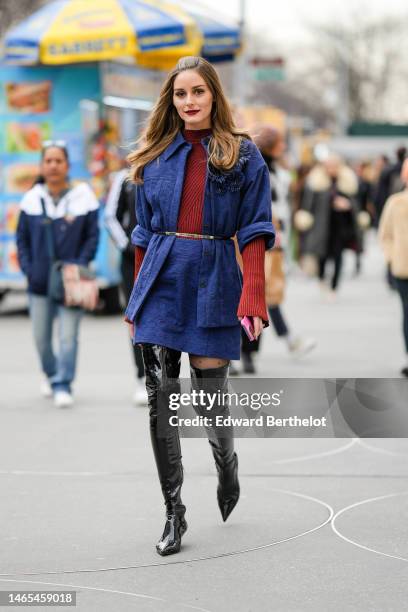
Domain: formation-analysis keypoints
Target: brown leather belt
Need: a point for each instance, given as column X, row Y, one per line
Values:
column 186, row 235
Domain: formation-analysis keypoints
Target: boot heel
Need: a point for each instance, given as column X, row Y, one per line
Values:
column 174, row 529
column 183, row 526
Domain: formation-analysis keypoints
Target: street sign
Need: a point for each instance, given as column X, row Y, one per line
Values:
column 268, row 68
column 267, row 61
column 269, row 74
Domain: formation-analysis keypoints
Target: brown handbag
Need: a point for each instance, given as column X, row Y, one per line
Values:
column 274, row 273
column 274, row 277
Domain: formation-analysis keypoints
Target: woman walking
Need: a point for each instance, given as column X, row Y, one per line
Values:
column 200, row 182
column 331, row 197
column 271, row 144
column 393, row 234
column 68, row 216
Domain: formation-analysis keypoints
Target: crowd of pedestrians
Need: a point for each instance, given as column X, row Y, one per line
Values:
column 335, row 203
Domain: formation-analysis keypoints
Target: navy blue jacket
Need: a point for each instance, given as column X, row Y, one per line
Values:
column 237, row 201
column 74, row 226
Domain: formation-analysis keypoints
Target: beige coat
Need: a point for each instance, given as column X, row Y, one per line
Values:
column 393, row 233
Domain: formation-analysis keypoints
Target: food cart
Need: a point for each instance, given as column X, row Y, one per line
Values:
column 66, row 103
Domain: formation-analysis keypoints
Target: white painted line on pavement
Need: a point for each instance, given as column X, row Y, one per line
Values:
column 335, row 451
column 207, row 558
column 383, row 451
column 277, row 461
column 360, row 503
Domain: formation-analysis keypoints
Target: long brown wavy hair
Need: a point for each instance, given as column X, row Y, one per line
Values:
column 164, row 122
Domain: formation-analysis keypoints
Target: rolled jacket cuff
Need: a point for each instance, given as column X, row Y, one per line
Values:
column 141, row 236
column 255, row 230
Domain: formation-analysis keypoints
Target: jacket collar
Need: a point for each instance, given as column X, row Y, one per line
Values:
column 178, row 142
column 174, row 146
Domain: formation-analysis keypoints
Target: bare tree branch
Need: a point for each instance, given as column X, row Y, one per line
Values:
column 366, row 55
column 14, row 11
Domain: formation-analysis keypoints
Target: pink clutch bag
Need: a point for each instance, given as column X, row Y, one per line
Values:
column 248, row 327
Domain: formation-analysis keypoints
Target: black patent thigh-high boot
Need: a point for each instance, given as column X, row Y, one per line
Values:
column 214, row 382
column 162, row 369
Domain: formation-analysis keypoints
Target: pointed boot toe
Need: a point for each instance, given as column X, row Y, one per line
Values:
column 228, row 489
column 227, row 507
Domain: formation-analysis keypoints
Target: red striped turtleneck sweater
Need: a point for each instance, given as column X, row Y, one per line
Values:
column 190, row 220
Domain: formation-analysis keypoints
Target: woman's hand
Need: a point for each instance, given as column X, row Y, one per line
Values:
column 258, row 325
column 341, row 203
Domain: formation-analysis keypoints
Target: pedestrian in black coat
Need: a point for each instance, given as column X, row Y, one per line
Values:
column 120, row 219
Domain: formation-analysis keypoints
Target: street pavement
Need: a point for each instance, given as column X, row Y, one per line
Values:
column 321, row 523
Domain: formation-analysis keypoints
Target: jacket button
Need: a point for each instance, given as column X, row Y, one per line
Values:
column 203, row 284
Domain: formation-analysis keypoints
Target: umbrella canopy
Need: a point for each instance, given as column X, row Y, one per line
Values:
column 154, row 32
column 69, row 31
column 221, row 42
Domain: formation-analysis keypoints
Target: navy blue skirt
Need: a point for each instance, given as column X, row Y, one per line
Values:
column 169, row 322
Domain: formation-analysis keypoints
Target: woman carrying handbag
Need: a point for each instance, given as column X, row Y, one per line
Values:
column 200, row 182
column 271, row 144
column 57, row 237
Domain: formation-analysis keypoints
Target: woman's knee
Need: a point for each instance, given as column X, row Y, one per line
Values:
column 205, row 363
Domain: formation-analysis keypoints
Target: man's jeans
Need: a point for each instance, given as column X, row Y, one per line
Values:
column 60, row 367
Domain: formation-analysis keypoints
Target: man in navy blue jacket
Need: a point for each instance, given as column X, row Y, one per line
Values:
column 73, row 214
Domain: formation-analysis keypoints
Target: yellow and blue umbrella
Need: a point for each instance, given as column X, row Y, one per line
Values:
column 221, row 42
column 70, row 31
column 154, row 32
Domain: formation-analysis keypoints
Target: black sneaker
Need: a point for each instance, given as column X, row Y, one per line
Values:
column 404, row 371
